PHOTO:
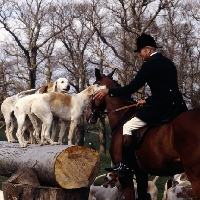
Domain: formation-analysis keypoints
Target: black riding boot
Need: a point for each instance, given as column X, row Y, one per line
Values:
column 125, row 166
column 127, row 151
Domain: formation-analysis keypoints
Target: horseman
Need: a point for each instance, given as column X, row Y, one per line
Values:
column 164, row 104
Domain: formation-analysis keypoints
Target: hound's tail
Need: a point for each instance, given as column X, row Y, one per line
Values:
column 155, row 179
column 31, row 91
column 98, row 177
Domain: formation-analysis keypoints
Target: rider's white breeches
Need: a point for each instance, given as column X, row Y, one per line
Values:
column 133, row 124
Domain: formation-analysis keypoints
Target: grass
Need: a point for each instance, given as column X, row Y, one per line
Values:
column 105, row 160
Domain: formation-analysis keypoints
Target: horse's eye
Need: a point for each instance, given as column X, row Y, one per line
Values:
column 62, row 81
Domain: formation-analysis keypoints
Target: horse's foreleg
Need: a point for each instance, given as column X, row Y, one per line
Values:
column 195, row 189
column 54, row 128
column 193, row 176
column 142, row 184
column 129, row 193
column 127, row 187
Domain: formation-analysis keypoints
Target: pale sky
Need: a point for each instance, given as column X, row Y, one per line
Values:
column 3, row 34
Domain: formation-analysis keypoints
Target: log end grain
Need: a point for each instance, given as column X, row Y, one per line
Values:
column 76, row 167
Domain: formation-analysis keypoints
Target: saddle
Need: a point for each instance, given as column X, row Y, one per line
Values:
column 138, row 136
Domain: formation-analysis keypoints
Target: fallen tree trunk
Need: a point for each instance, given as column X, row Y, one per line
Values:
column 24, row 184
column 29, row 192
column 63, row 166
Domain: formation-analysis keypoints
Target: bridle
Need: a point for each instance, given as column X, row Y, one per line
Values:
column 99, row 114
column 99, row 111
column 94, row 112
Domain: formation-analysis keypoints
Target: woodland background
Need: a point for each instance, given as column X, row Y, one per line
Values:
column 42, row 40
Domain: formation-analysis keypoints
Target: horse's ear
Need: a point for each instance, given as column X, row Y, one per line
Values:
column 111, row 73
column 98, row 74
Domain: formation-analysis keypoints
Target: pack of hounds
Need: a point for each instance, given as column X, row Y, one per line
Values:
column 177, row 187
column 38, row 111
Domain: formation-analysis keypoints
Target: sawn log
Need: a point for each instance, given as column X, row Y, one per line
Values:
column 64, row 166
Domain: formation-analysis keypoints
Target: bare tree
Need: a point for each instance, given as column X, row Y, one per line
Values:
column 46, row 52
column 73, row 54
column 181, row 45
column 50, row 39
column 119, row 29
column 31, row 25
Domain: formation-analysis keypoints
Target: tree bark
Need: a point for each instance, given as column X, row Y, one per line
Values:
column 63, row 166
column 28, row 192
column 80, row 132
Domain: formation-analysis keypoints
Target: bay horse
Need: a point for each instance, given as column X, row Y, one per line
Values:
column 165, row 150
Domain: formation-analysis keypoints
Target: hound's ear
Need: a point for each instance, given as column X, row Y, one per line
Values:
column 90, row 89
column 54, row 89
column 183, row 177
column 98, row 74
column 111, row 73
column 43, row 89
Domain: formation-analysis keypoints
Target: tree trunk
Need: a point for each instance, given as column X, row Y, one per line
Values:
column 28, row 192
column 63, row 166
column 80, row 132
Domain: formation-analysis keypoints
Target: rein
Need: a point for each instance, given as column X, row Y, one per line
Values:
column 93, row 112
column 121, row 108
column 115, row 126
column 116, row 110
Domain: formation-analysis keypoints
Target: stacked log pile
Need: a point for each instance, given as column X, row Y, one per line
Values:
column 61, row 170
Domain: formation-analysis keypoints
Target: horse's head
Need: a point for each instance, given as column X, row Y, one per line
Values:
column 95, row 108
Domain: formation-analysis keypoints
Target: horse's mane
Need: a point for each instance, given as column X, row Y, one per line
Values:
column 111, row 78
